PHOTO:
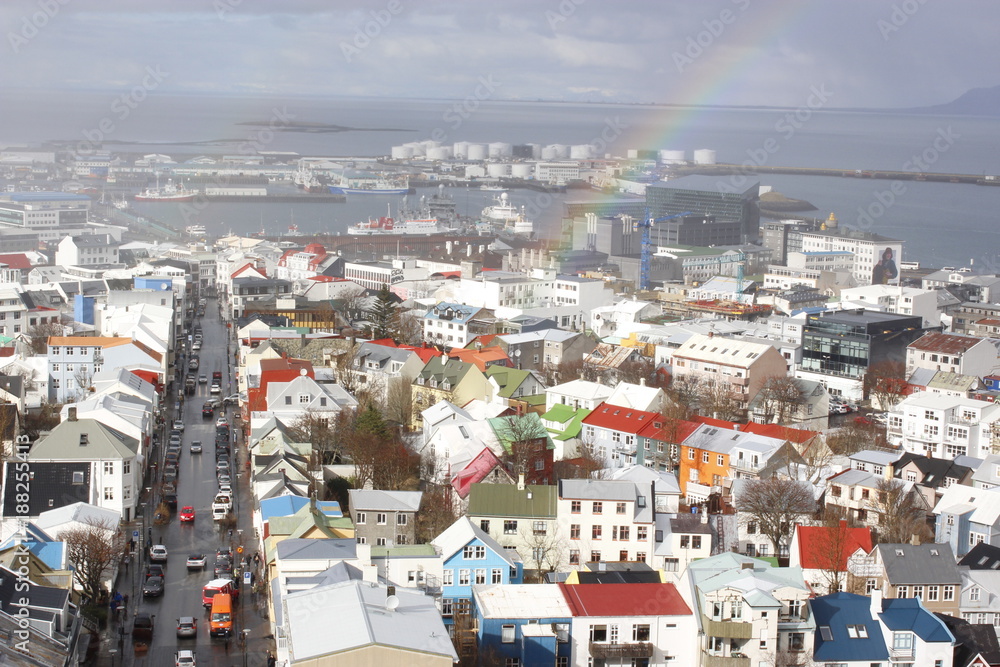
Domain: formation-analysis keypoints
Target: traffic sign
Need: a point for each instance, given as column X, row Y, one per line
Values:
column 239, row 550
column 246, row 578
column 135, row 534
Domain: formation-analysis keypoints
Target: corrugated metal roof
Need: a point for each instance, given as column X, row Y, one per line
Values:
column 505, row 500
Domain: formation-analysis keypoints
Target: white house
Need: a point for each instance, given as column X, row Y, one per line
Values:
column 942, row 426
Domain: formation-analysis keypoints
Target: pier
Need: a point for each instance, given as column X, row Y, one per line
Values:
column 882, row 174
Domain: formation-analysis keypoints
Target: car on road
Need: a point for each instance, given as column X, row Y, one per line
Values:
column 221, row 421
column 193, row 364
column 187, row 514
column 223, row 570
column 196, row 345
column 178, row 425
column 184, row 658
column 216, row 389
column 202, row 379
column 232, row 399
column 207, row 410
column 155, row 571
column 153, row 587
column 158, row 553
column 196, row 562
column 142, row 627
column 224, row 478
column 187, row 626
column 195, row 447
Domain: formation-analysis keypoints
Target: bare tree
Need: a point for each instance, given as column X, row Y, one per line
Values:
column 832, row 548
column 410, row 329
column 45, row 418
column 545, row 546
column 93, row 549
column 775, row 505
column 524, row 440
column 901, row 511
column 399, row 401
column 885, row 382
column 353, row 304
column 853, row 437
column 636, row 371
column 40, row 333
column 682, row 397
column 316, row 428
column 779, row 398
column 437, row 512
column 717, row 399
column 585, row 465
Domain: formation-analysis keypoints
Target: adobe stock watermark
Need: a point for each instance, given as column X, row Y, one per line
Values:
column 256, row 141
column 463, row 109
column 784, row 128
column 919, row 163
column 32, row 24
column 900, row 15
column 371, row 29
column 698, row 43
column 566, row 9
column 223, row 7
column 121, row 108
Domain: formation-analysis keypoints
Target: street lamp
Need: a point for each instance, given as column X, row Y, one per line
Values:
column 114, row 651
column 246, row 637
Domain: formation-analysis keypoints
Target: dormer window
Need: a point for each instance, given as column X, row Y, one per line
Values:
column 84, row 440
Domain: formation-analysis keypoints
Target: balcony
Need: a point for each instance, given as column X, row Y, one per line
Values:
column 745, row 466
column 725, row 661
column 739, row 382
column 901, row 654
column 728, row 629
column 621, row 651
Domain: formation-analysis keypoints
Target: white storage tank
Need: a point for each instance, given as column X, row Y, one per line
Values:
column 581, row 152
column 416, row 147
column 439, row 153
column 460, row 149
column 477, row 152
column 562, row 151
column 523, row 170
column 672, row 157
column 500, row 149
column 498, row 169
column 549, row 153
column 429, row 144
column 632, row 154
column 401, row 152
column 704, row 156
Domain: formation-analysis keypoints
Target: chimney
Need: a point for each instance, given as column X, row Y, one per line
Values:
column 602, row 566
column 704, row 516
column 736, row 427
column 520, row 481
column 876, row 607
column 915, row 540
column 71, row 413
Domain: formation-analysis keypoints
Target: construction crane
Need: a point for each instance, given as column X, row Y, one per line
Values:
column 645, row 258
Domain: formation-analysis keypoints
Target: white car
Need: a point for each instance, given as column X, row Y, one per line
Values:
column 184, row 658
column 158, row 553
column 178, row 425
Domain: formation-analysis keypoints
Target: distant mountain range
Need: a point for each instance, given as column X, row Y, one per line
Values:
column 975, row 102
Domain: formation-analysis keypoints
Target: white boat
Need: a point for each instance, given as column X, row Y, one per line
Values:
column 404, row 225
column 372, row 184
column 507, row 218
column 491, row 188
column 195, row 230
column 168, row 193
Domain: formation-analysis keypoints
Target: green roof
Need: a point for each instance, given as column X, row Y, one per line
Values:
column 534, row 426
column 506, row 500
column 571, row 418
column 509, row 379
column 534, row 399
column 405, row 551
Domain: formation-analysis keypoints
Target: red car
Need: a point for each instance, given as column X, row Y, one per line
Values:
column 187, row 513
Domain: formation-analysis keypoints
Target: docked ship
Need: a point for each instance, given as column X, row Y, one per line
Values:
column 408, row 223
column 305, row 179
column 505, row 218
column 371, row 184
column 195, row 230
column 168, row 193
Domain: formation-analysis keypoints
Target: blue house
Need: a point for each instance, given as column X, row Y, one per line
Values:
column 526, row 622
column 853, row 630
column 470, row 557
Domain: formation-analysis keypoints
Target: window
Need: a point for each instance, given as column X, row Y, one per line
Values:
column 857, row 631
column 401, row 519
column 126, row 467
column 620, row 508
column 360, row 518
column 871, row 585
column 574, row 556
column 484, row 525
column 496, row 575
column 670, row 564
column 509, row 527
column 595, row 556
column 109, row 493
column 932, row 593
column 463, row 577
column 574, row 531
column 623, row 533
column 597, row 508
column 481, row 575
column 704, row 457
column 641, row 532
column 796, row 641
column 598, row 633
column 974, row 594
column 539, row 528
column 474, row 552
column 446, row 606
column 690, row 454
column 507, row 634
column 752, row 528
column 902, row 591
column 562, row 632
column 949, row 593
column 826, row 633
column 380, row 518
column 918, row 591
column 902, row 641
column 595, row 532
column 574, row 507
column 109, row 468
column 448, row 578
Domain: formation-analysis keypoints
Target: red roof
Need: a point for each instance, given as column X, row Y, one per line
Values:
column 711, row 421
column 617, row 418
column 675, row 431
column 796, row 435
column 624, row 600
column 423, row 352
column 946, row 343
column 17, row 260
column 487, row 340
column 481, row 358
column 818, row 544
column 476, row 471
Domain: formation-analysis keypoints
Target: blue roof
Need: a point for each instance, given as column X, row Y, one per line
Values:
column 46, row 196
column 821, row 253
column 836, row 612
column 39, row 543
column 909, row 614
column 281, row 506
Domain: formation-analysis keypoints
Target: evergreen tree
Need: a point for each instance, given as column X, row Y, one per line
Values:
column 384, row 314
column 373, row 423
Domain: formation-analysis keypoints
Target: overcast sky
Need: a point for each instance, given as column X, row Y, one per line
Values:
column 733, row 52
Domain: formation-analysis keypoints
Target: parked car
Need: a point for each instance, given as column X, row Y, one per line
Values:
column 178, row 425
column 221, row 421
column 170, row 473
column 187, row 514
column 224, row 478
column 142, row 627
column 195, row 447
column 880, row 418
column 172, row 456
column 196, row 562
column 225, row 487
column 158, row 553
column 175, row 440
column 187, row 626
column 838, row 409
column 171, row 500
column 222, row 466
column 153, row 587
column 196, row 345
column 155, row 570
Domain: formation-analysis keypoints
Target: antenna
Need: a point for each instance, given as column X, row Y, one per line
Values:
column 392, row 603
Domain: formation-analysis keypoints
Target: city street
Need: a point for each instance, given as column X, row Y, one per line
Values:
column 197, row 487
